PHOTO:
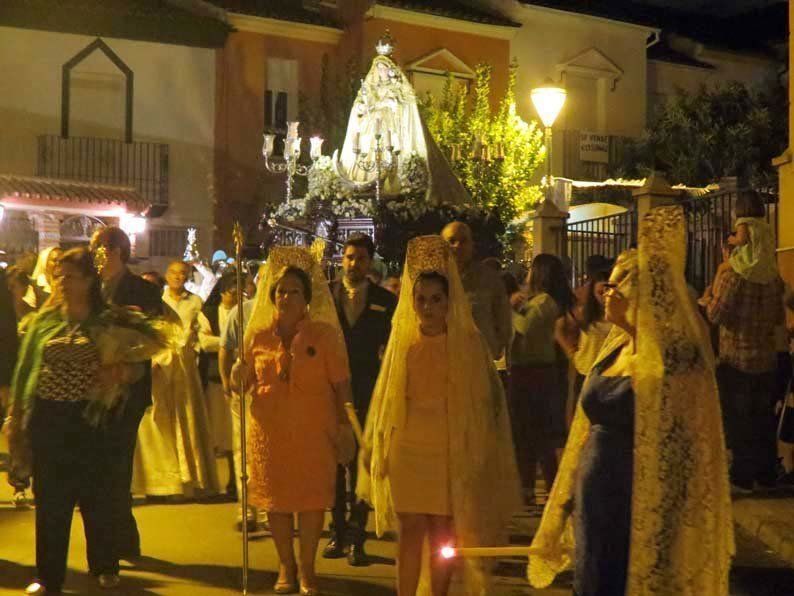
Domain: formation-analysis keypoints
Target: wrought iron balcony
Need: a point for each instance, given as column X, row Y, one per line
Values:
column 108, row 161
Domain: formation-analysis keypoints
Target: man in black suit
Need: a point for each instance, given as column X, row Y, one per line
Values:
column 123, row 288
column 365, row 313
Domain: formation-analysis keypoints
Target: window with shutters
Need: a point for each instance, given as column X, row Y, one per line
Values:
column 281, row 94
column 167, row 242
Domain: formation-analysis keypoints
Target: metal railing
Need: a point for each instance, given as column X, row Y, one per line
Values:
column 607, row 236
column 710, row 219
column 293, row 235
column 143, row 166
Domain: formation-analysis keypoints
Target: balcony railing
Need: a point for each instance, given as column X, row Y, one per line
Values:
column 143, row 166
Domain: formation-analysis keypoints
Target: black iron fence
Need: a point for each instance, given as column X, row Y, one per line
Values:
column 710, row 220
column 143, row 166
column 607, row 236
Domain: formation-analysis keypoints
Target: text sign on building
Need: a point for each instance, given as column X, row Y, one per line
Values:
column 593, row 147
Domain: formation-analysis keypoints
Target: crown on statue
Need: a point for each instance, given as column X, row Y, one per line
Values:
column 385, row 45
column 425, row 254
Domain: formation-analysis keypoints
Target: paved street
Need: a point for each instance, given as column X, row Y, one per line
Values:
column 192, row 549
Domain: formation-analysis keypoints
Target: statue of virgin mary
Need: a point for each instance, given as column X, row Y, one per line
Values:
column 386, row 106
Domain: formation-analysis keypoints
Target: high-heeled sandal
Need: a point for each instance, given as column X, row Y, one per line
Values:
column 309, row 591
column 285, row 587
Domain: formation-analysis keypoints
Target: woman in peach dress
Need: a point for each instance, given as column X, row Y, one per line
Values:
column 298, row 430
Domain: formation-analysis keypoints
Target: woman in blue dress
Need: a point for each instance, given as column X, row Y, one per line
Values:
column 641, row 504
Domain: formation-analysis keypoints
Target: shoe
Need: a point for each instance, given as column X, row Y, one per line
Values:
column 767, row 487
column 786, row 480
column 20, row 499
column 285, row 586
column 37, row 589
column 740, row 491
column 108, row 581
column 251, row 520
column 356, row 557
column 307, row 591
column 335, row 549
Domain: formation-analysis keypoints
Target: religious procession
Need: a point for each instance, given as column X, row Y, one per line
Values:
column 389, row 378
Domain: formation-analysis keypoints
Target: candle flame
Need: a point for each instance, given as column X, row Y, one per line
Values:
column 448, row 552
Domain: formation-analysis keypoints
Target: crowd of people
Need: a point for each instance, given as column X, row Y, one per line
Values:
column 465, row 375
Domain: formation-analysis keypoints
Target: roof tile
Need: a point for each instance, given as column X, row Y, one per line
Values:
column 70, row 191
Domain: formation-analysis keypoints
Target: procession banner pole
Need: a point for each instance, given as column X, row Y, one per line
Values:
column 238, row 248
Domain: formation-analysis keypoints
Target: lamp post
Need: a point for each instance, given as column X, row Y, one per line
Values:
column 548, row 100
column 292, row 153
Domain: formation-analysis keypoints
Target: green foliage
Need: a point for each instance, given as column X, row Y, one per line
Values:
column 731, row 130
column 502, row 184
column 327, row 113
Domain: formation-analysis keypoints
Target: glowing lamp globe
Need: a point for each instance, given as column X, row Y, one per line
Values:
column 548, row 100
column 132, row 224
column 448, row 552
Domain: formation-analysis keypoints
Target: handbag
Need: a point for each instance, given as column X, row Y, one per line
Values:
column 785, row 427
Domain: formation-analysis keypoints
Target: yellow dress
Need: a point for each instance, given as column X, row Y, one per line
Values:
column 418, row 464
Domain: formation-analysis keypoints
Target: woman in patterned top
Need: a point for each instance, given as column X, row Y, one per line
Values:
column 58, row 374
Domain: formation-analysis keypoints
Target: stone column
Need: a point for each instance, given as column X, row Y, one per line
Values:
column 656, row 192
column 547, row 229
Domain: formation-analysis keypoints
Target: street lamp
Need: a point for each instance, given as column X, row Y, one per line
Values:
column 548, row 100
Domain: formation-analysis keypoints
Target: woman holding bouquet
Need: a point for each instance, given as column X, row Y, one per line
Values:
column 75, row 354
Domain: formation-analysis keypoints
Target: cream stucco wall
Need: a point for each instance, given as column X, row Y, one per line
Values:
column 549, row 38
column 174, row 103
column 664, row 78
column 786, row 167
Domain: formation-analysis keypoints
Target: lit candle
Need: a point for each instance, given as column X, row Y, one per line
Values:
column 356, row 141
column 292, row 129
column 450, row 552
column 316, row 149
column 267, row 148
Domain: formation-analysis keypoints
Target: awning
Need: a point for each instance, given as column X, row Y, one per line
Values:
column 69, row 196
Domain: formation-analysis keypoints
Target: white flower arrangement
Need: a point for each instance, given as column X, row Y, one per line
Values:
column 413, row 174
column 324, row 183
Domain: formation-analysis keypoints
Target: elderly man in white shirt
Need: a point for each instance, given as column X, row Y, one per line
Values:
column 186, row 305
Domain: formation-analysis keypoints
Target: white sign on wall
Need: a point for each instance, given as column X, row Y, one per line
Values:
column 593, row 147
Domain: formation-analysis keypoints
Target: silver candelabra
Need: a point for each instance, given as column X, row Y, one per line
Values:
column 382, row 161
column 292, row 153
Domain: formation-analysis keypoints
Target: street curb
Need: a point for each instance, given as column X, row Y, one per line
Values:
column 769, row 520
